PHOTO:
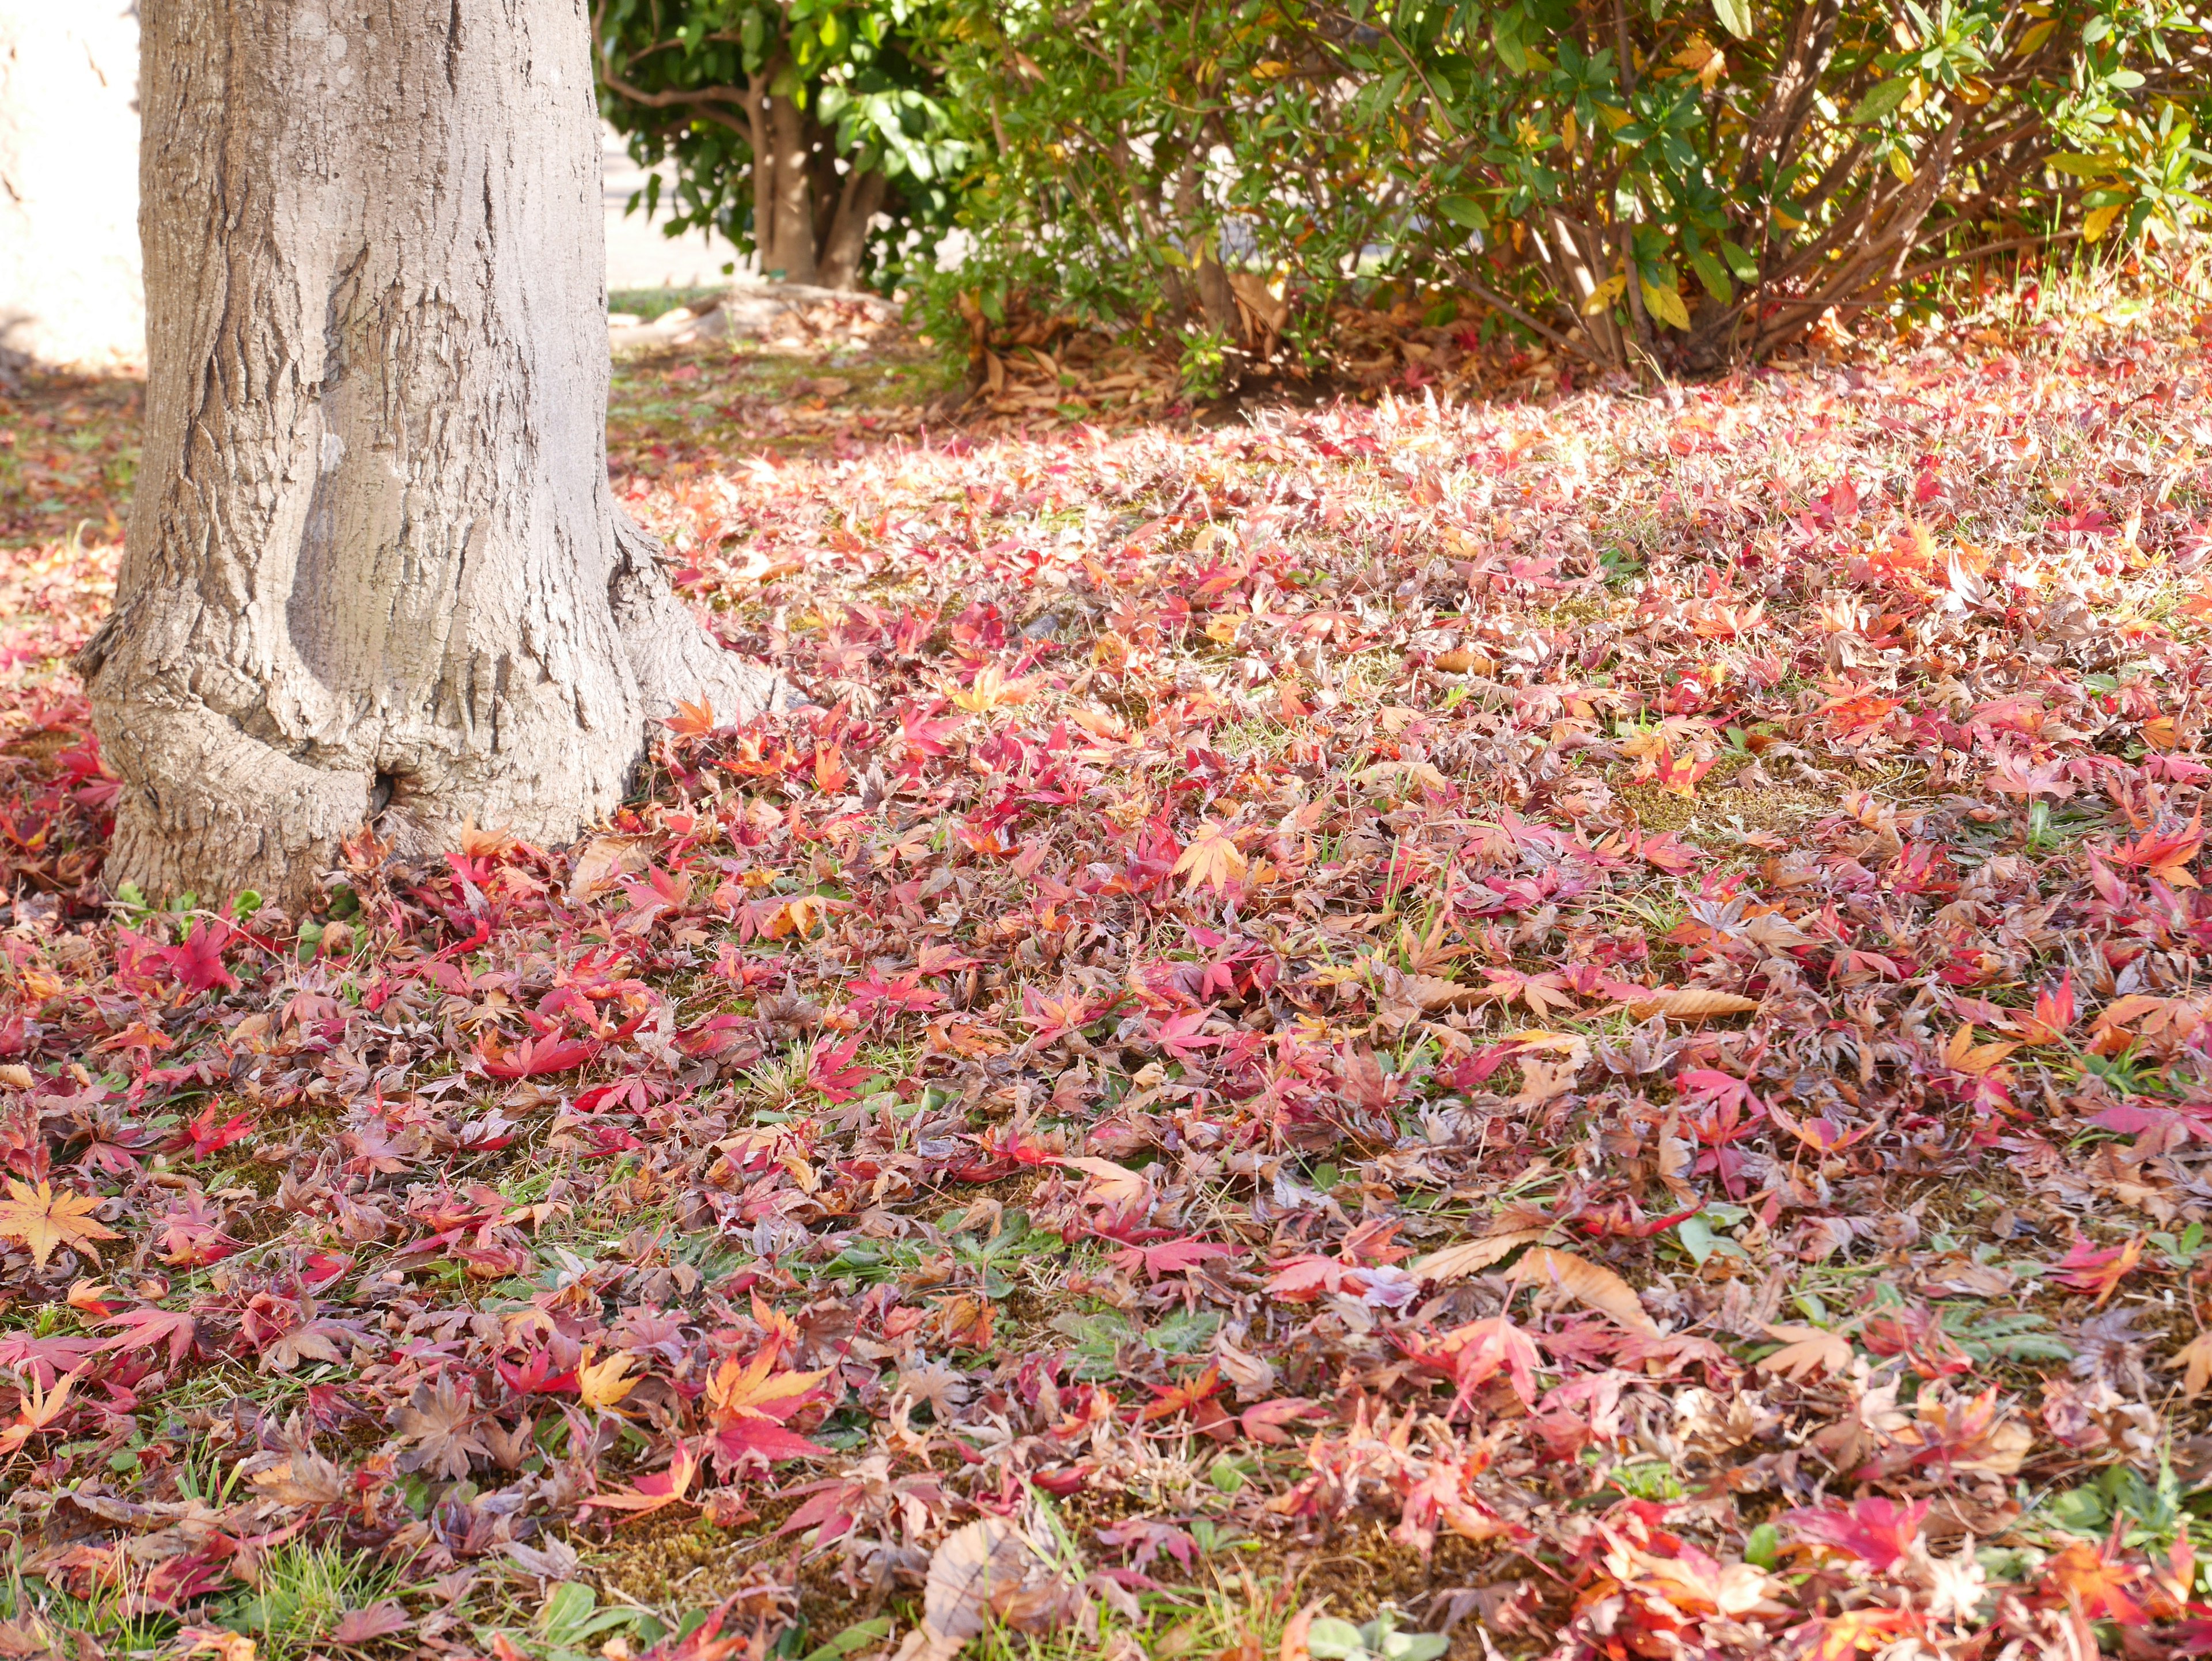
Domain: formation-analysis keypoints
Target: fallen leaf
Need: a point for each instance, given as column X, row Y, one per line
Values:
column 1472, row 1256
column 40, row 1219
column 1211, row 858
column 2194, row 1359
column 1806, row 1350
column 1692, row 1004
column 1586, row 1282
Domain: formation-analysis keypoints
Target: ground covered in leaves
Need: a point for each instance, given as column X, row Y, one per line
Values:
column 1565, row 1027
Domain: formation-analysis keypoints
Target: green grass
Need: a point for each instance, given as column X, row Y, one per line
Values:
column 303, row 1592
column 649, row 303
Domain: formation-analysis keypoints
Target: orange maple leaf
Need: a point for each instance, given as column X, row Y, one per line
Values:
column 753, row 1390
column 41, row 1220
column 1212, row 857
column 652, row 1493
column 692, row 720
column 38, row 1410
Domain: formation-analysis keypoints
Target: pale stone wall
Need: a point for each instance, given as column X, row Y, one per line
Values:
column 70, row 290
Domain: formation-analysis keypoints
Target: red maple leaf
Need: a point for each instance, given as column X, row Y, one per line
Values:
column 1876, row 1530
column 831, row 1070
column 196, row 964
column 2086, row 1269
column 1169, row 1258
column 548, row 1053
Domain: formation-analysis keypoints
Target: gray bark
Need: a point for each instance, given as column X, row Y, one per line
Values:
column 374, row 568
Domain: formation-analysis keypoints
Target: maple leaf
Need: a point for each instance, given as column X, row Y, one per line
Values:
column 40, row 1410
column 2091, row 1577
column 2053, row 1015
column 654, row 1492
column 2195, row 1357
column 1264, row 1422
column 545, row 1053
column 603, row 1384
column 1115, row 1186
column 747, row 1404
column 1212, row 859
column 40, row 1219
column 358, row 1628
column 198, row 962
column 440, row 1419
column 1877, row 1531
column 1170, row 1257
column 142, row 1329
column 1842, row 1637
column 692, row 720
column 1484, row 1348
column 830, row 1069
column 2086, row 1269
column 1541, row 994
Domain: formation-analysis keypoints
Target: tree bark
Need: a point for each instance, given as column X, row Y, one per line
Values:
column 374, row 569
column 70, row 285
column 846, row 242
column 788, row 246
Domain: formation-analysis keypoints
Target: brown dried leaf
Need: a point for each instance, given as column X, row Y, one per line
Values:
column 1692, row 1003
column 1472, row 1256
column 1586, row 1282
column 1806, row 1350
column 2194, row 1359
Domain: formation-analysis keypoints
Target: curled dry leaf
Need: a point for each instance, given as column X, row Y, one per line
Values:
column 1472, row 1257
column 1588, row 1283
column 1693, row 1003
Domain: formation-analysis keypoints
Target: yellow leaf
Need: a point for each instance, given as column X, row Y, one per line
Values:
column 1586, row 1282
column 1211, row 858
column 41, row 1220
column 2097, row 221
column 1963, row 1054
column 1604, row 294
column 603, row 1383
column 1472, row 1256
column 1805, row 1351
column 990, row 689
column 1666, row 305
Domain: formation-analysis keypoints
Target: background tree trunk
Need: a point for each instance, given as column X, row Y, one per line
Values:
column 70, row 287
column 374, row 569
column 787, row 248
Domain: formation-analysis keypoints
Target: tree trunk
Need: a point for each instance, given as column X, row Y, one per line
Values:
column 846, row 242
column 374, row 569
column 787, row 246
column 70, row 287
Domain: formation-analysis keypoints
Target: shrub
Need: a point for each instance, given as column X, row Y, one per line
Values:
column 1684, row 182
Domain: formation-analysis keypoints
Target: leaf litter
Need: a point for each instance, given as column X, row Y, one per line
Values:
column 1571, row 1028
